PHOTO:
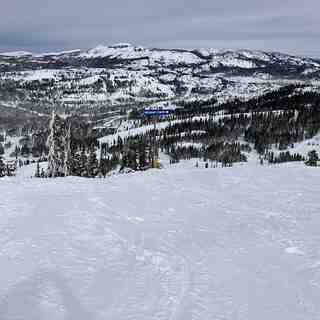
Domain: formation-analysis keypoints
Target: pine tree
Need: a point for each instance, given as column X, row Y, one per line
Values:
column 82, row 171
column 142, row 156
column 56, row 146
column 2, row 168
column 76, row 163
column 313, row 158
column 92, row 163
column 67, row 166
column 52, row 142
column 37, row 174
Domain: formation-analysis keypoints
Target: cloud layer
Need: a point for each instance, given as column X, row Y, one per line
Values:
column 44, row 25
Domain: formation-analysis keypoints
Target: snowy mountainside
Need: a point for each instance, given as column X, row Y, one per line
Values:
column 124, row 74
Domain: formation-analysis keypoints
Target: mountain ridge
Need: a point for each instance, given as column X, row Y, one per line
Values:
column 120, row 45
column 126, row 75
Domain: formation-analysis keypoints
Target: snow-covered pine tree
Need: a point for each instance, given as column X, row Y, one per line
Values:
column 56, row 146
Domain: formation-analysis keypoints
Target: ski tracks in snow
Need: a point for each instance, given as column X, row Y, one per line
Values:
column 177, row 244
column 169, row 269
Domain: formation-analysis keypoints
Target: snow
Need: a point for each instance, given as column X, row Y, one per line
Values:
column 231, row 61
column 309, row 71
column 304, row 147
column 14, row 141
column 294, row 250
column 180, row 243
column 44, row 74
column 129, row 128
column 61, row 53
column 234, row 58
column 89, row 80
column 147, row 75
column 127, row 51
column 16, row 54
column 252, row 54
column 174, row 57
column 190, row 144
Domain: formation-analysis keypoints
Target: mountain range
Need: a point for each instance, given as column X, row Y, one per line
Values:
column 123, row 75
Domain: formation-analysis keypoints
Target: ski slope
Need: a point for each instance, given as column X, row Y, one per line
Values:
column 175, row 244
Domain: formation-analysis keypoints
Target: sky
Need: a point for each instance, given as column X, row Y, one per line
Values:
column 291, row 26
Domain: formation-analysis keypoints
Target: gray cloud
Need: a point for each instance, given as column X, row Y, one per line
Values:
column 43, row 25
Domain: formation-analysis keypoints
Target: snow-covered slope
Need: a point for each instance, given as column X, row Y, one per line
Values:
column 182, row 243
column 124, row 74
column 16, row 54
column 127, row 52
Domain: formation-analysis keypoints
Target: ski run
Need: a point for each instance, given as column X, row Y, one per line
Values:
column 181, row 243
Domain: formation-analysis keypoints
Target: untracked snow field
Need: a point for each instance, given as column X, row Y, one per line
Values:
column 180, row 243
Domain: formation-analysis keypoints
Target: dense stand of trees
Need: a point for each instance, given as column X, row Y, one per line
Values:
column 192, row 134
column 224, row 133
column 72, row 148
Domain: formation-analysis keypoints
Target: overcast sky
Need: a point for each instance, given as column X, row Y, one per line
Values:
column 291, row 26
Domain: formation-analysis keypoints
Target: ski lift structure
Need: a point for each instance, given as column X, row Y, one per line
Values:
column 156, row 113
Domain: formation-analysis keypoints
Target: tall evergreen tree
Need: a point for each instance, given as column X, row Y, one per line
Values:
column 92, row 163
column 83, row 163
column 37, row 174
column 2, row 168
column 67, row 167
column 56, row 147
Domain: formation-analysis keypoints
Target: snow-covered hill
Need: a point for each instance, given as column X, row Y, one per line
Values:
column 181, row 243
column 123, row 74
